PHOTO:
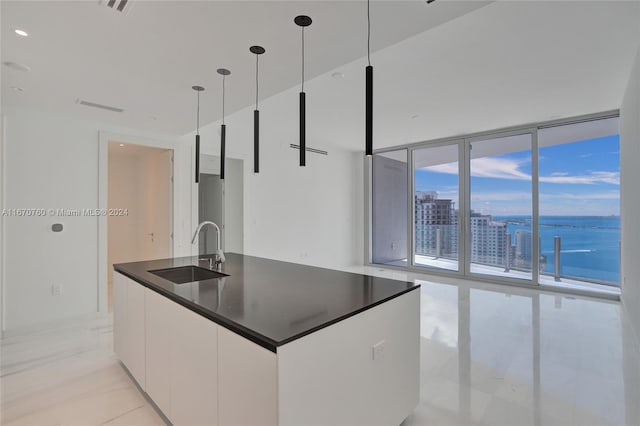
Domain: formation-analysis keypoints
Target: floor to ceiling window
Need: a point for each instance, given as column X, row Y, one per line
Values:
column 580, row 203
column 501, row 206
column 538, row 204
column 436, row 206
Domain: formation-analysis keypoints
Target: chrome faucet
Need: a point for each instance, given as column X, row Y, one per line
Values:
column 219, row 254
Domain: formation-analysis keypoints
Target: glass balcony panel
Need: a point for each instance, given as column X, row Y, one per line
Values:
column 500, row 221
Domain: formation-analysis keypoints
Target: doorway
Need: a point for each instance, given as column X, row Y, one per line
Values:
column 211, row 208
column 222, row 202
column 140, row 199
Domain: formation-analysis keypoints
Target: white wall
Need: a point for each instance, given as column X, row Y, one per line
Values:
column 630, row 196
column 49, row 164
column 312, row 214
column 2, row 233
column 52, row 161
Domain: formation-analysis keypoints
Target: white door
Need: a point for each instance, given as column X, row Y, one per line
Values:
column 156, row 209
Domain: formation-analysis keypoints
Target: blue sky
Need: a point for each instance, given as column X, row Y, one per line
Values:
column 576, row 179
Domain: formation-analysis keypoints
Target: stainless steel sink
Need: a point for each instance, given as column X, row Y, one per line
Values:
column 187, row 274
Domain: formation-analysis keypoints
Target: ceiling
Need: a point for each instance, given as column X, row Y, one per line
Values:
column 146, row 60
column 509, row 63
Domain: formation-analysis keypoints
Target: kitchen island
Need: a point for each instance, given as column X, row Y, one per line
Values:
column 265, row 342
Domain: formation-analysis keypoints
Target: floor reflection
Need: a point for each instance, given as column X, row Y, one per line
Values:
column 490, row 355
column 497, row 356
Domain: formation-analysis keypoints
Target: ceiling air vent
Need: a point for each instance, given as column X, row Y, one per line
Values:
column 95, row 105
column 117, row 5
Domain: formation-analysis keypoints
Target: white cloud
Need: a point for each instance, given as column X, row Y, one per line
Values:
column 502, row 168
column 588, row 179
column 497, row 168
column 608, row 195
column 487, row 167
column 500, row 196
column 449, row 168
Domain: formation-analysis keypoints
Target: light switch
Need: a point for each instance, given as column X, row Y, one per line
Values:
column 377, row 351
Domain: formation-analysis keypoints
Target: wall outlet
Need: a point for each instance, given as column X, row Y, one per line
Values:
column 56, row 289
column 377, row 351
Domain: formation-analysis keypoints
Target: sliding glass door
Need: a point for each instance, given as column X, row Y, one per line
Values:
column 436, row 195
column 501, row 213
column 580, row 203
column 538, row 204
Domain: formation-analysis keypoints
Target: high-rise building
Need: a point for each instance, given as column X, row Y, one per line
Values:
column 436, row 232
column 488, row 240
column 436, row 226
column 524, row 249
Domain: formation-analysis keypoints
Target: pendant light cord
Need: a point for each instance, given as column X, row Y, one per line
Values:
column 303, row 59
column 257, row 83
column 198, row 116
column 223, row 98
column 368, row 34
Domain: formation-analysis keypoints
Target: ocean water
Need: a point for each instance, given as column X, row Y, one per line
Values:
column 590, row 245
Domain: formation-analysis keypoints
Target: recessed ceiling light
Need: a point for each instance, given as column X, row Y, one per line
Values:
column 17, row 89
column 16, row 66
column 20, row 32
column 121, row 144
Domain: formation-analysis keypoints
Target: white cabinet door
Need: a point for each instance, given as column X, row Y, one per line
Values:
column 194, row 369
column 128, row 325
column 247, row 382
column 158, row 322
column 135, row 332
column 120, row 316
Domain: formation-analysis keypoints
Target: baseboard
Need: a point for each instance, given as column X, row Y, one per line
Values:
column 48, row 326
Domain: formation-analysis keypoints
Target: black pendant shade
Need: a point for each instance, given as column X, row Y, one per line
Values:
column 369, row 111
column 257, row 50
column 223, row 128
column 256, row 141
column 197, row 158
column 197, row 166
column 303, row 143
column 223, row 131
column 302, row 21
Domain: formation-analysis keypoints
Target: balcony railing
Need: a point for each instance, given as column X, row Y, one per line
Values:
column 509, row 262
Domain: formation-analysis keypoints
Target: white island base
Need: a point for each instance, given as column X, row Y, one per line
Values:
column 363, row 370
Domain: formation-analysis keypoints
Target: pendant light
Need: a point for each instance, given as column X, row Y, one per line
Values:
column 302, row 21
column 198, row 89
column 257, row 50
column 368, row 126
column 223, row 128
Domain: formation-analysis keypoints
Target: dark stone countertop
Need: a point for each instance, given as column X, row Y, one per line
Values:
column 267, row 301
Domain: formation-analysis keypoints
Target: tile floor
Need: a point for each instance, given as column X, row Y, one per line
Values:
column 490, row 355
